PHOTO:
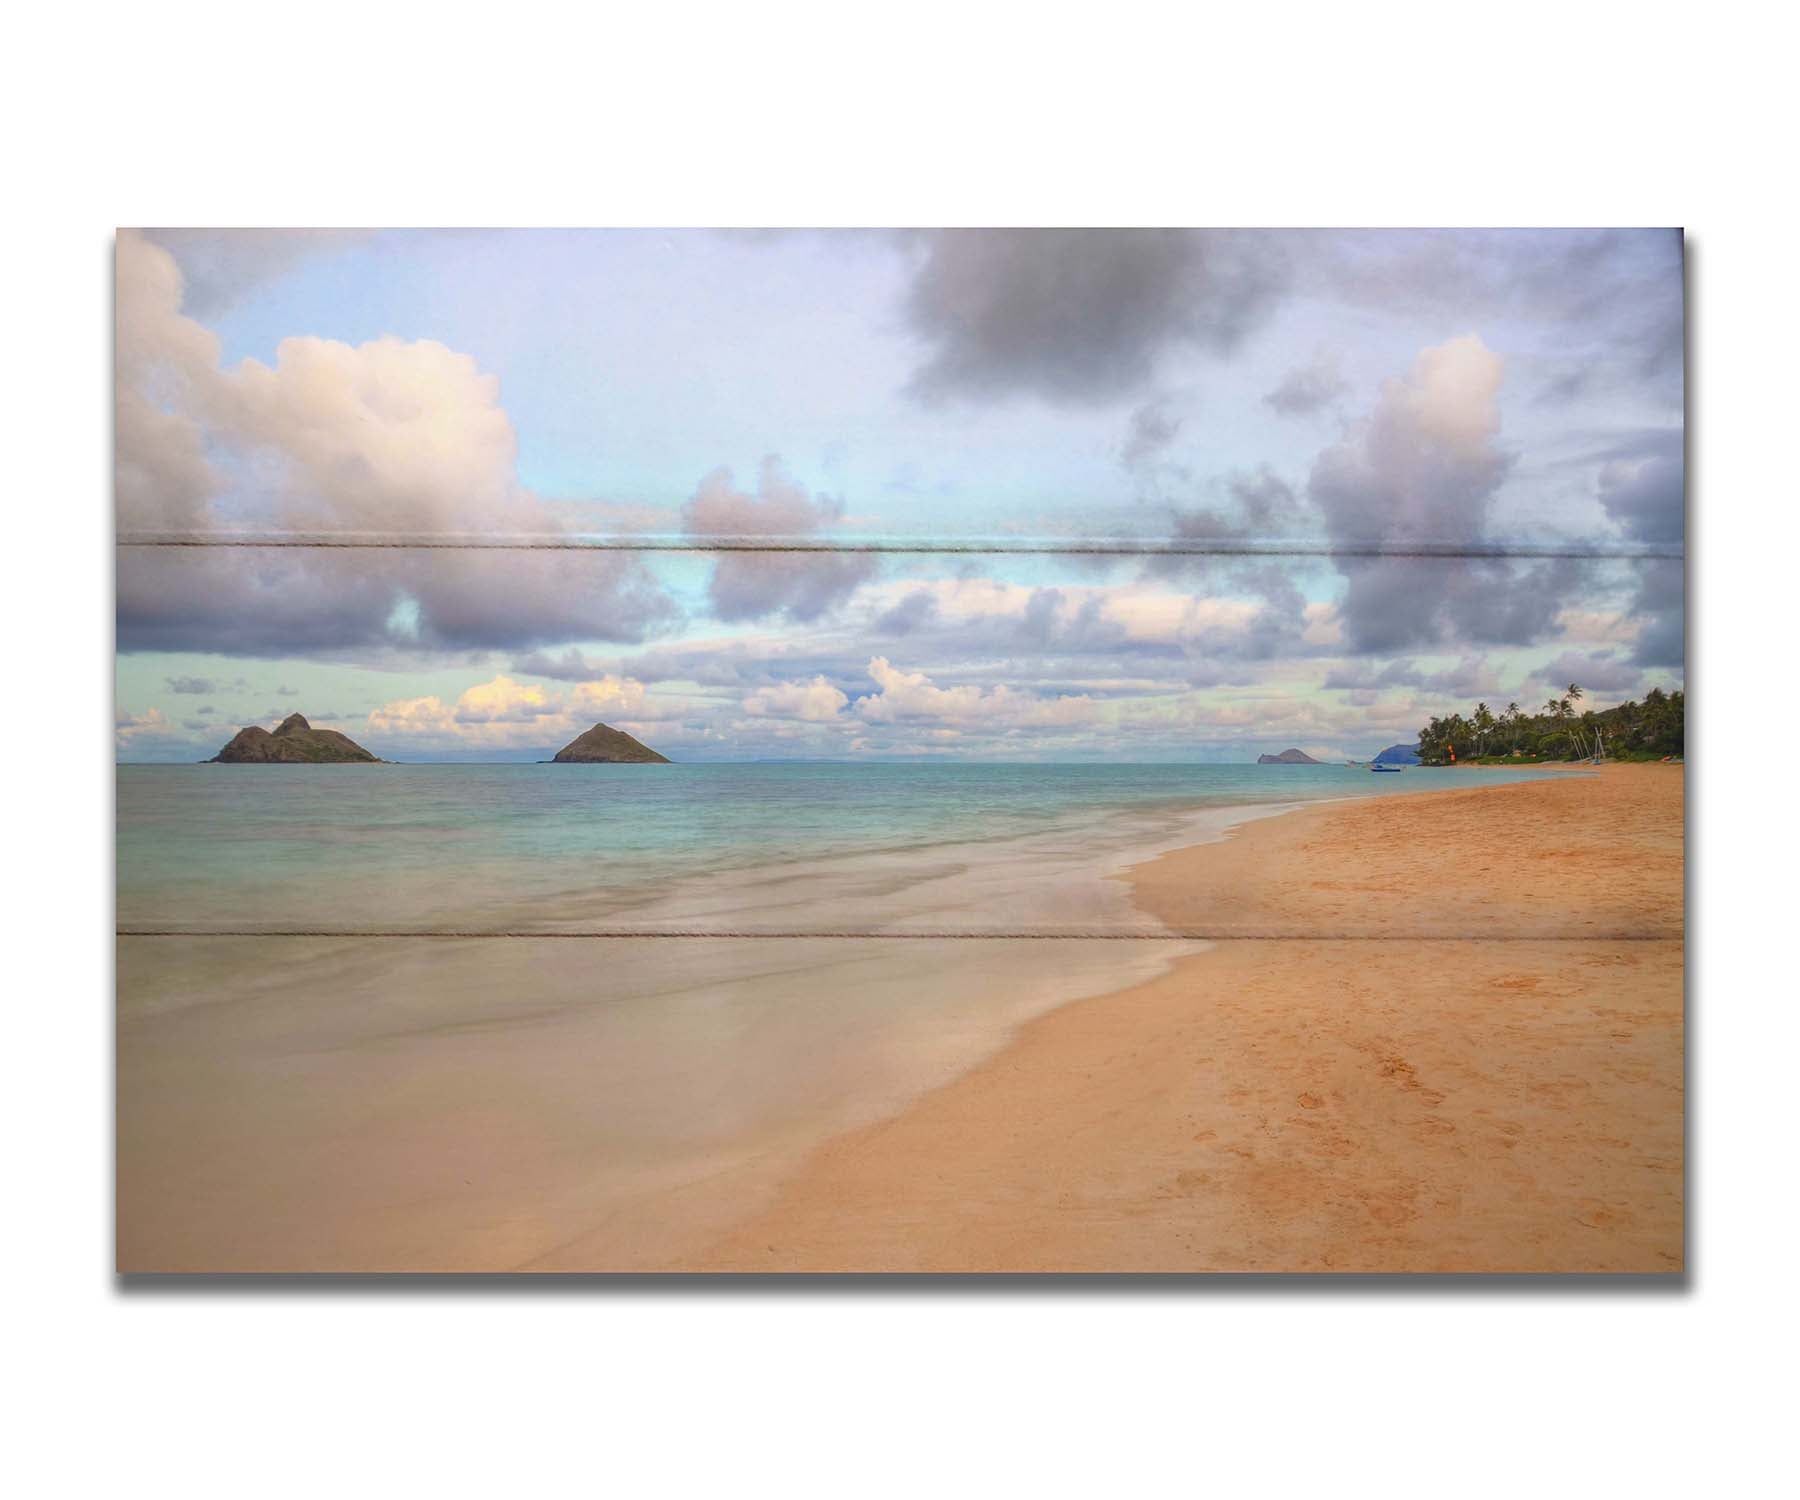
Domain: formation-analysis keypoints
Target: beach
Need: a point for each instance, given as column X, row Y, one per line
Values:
column 1481, row 1070
column 1428, row 1031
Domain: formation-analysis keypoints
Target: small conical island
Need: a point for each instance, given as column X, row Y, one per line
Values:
column 1287, row 758
column 294, row 742
column 605, row 745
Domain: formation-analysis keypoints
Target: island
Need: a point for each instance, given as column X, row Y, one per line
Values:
column 1288, row 758
column 1399, row 755
column 604, row 745
column 294, row 742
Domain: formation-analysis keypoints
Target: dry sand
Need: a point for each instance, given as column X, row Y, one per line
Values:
column 1454, row 1044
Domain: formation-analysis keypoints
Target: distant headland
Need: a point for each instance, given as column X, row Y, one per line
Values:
column 1288, row 758
column 604, row 745
column 294, row 742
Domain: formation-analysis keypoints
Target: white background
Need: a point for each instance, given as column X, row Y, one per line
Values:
column 772, row 114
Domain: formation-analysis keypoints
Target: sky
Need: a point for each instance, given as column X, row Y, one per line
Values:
column 1192, row 472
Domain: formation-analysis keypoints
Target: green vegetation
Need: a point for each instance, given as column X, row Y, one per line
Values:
column 1649, row 730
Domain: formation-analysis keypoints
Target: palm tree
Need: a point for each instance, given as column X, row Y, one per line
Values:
column 1484, row 724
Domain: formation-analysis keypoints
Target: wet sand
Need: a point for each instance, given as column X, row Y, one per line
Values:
column 306, row 1104
column 1435, row 1033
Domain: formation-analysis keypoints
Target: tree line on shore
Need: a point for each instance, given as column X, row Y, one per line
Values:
column 1560, row 731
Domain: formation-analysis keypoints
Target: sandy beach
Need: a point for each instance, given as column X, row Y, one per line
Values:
column 1479, row 1069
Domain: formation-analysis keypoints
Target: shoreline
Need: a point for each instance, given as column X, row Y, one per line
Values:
column 567, row 1107
column 1494, row 1086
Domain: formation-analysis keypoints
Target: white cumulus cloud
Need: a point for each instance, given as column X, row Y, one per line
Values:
column 816, row 702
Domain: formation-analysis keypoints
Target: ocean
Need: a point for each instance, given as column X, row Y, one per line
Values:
column 759, row 847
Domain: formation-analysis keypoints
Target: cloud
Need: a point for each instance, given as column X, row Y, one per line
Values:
column 1610, row 302
column 1660, row 604
column 190, row 684
column 913, row 697
column 221, row 265
column 163, row 368
column 1598, row 627
column 754, row 585
column 1308, row 389
column 504, row 701
column 1425, row 465
column 505, row 714
column 1644, row 492
column 979, row 616
column 816, row 702
column 387, row 436
column 1646, row 496
column 1081, row 316
column 1595, row 672
column 128, row 727
column 916, row 610
column 1424, row 468
column 1471, row 677
column 1153, row 429
column 1262, row 505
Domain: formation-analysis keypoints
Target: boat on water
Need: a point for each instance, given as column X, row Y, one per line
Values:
column 1379, row 767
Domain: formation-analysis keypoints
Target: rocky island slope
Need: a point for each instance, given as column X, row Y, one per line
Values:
column 1288, row 758
column 294, row 742
column 604, row 745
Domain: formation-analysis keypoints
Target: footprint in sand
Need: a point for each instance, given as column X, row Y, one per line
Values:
column 1598, row 1216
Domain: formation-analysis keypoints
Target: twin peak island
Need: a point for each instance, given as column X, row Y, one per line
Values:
column 295, row 742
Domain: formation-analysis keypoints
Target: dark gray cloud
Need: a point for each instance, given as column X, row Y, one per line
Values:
column 1642, row 486
column 197, row 685
column 568, row 666
column 1660, row 603
column 1646, row 493
column 296, row 602
column 1258, row 505
column 1424, row 468
column 755, row 585
column 1308, row 389
column 1090, row 316
column 1469, row 678
column 799, row 586
column 1153, row 429
column 1601, row 672
column 1610, row 300
column 915, row 611
column 1081, row 316
column 1415, row 603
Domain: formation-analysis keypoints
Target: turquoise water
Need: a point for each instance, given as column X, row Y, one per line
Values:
column 371, row 846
